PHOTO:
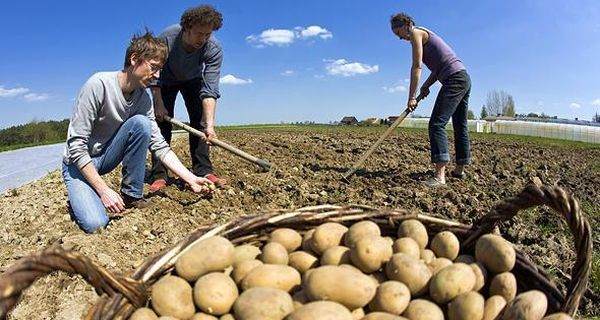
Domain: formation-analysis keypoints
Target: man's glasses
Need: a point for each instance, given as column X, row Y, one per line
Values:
column 154, row 67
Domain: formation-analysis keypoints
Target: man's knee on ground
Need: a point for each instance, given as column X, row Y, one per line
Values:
column 91, row 223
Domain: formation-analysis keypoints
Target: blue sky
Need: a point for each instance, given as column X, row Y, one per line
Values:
column 310, row 60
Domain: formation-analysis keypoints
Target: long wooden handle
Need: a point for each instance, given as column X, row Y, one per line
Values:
column 365, row 155
column 262, row 163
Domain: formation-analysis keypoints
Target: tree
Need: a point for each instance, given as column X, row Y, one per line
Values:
column 509, row 109
column 484, row 113
column 499, row 103
column 470, row 115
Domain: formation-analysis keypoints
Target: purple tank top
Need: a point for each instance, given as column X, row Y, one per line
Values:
column 439, row 57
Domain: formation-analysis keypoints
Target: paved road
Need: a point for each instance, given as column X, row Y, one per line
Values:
column 22, row 166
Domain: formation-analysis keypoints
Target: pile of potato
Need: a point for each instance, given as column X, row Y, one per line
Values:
column 339, row 273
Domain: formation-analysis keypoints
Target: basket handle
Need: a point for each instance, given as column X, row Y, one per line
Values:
column 563, row 203
column 28, row 269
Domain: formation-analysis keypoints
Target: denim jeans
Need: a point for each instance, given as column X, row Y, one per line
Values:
column 452, row 102
column 199, row 150
column 130, row 146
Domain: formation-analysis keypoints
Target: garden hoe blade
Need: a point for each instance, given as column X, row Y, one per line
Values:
column 365, row 155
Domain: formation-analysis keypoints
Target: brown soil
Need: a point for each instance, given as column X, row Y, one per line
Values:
column 309, row 163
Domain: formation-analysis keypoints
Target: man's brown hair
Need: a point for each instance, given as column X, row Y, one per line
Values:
column 204, row 15
column 401, row 19
column 146, row 47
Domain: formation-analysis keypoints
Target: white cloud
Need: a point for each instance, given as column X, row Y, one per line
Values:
column 596, row 103
column 33, row 97
column 288, row 73
column 314, row 31
column 273, row 37
column 231, row 79
column 394, row 89
column 342, row 67
column 285, row 37
column 6, row 93
column 575, row 105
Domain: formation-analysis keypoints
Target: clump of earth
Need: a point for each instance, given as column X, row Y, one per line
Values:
column 308, row 163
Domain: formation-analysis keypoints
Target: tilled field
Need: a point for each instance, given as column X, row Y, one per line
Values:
column 308, row 164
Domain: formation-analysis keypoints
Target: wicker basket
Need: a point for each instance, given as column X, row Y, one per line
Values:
column 120, row 295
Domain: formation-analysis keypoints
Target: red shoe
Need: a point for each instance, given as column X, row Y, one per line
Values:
column 219, row 182
column 157, row 185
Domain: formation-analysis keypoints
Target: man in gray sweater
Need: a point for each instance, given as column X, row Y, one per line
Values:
column 113, row 122
column 193, row 68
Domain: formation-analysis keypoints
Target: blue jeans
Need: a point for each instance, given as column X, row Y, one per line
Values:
column 130, row 146
column 452, row 101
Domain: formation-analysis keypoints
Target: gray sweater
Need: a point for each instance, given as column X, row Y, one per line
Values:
column 100, row 110
column 182, row 66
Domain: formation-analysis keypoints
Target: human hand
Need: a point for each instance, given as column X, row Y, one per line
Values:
column 112, row 201
column 411, row 105
column 160, row 111
column 424, row 92
column 210, row 134
column 201, row 185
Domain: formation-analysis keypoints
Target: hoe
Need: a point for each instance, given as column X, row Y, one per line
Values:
column 265, row 165
column 377, row 143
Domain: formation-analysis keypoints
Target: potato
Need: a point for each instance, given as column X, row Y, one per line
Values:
column 172, row 296
column 274, row 253
column 427, row 255
column 496, row 254
column 529, row 305
column 414, row 229
column 228, row 316
column 167, row 318
column 287, row 237
column 493, row 306
column 505, row 285
column 465, row 258
column 358, row 314
column 343, row 285
column 321, row 310
column 306, row 241
column 391, row 297
column 327, row 235
column 242, row 269
column 144, row 314
column 558, row 316
column 203, row 316
column 263, row 304
column 420, row 309
column 382, row 316
column 369, row 254
column 445, row 245
column 480, row 275
column 245, row 252
column 336, row 256
column 302, row 261
column 215, row 293
column 438, row 264
column 407, row 245
column 468, row 305
column 451, row 282
column 276, row 276
column 359, row 230
column 209, row 255
column 410, row 271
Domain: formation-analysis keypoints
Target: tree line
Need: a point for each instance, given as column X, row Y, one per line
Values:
column 34, row 133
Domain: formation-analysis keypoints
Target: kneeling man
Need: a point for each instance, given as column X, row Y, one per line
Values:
column 113, row 122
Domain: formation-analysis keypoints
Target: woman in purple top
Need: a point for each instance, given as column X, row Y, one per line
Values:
column 452, row 100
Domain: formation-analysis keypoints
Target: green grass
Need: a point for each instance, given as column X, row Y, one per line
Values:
column 27, row 145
